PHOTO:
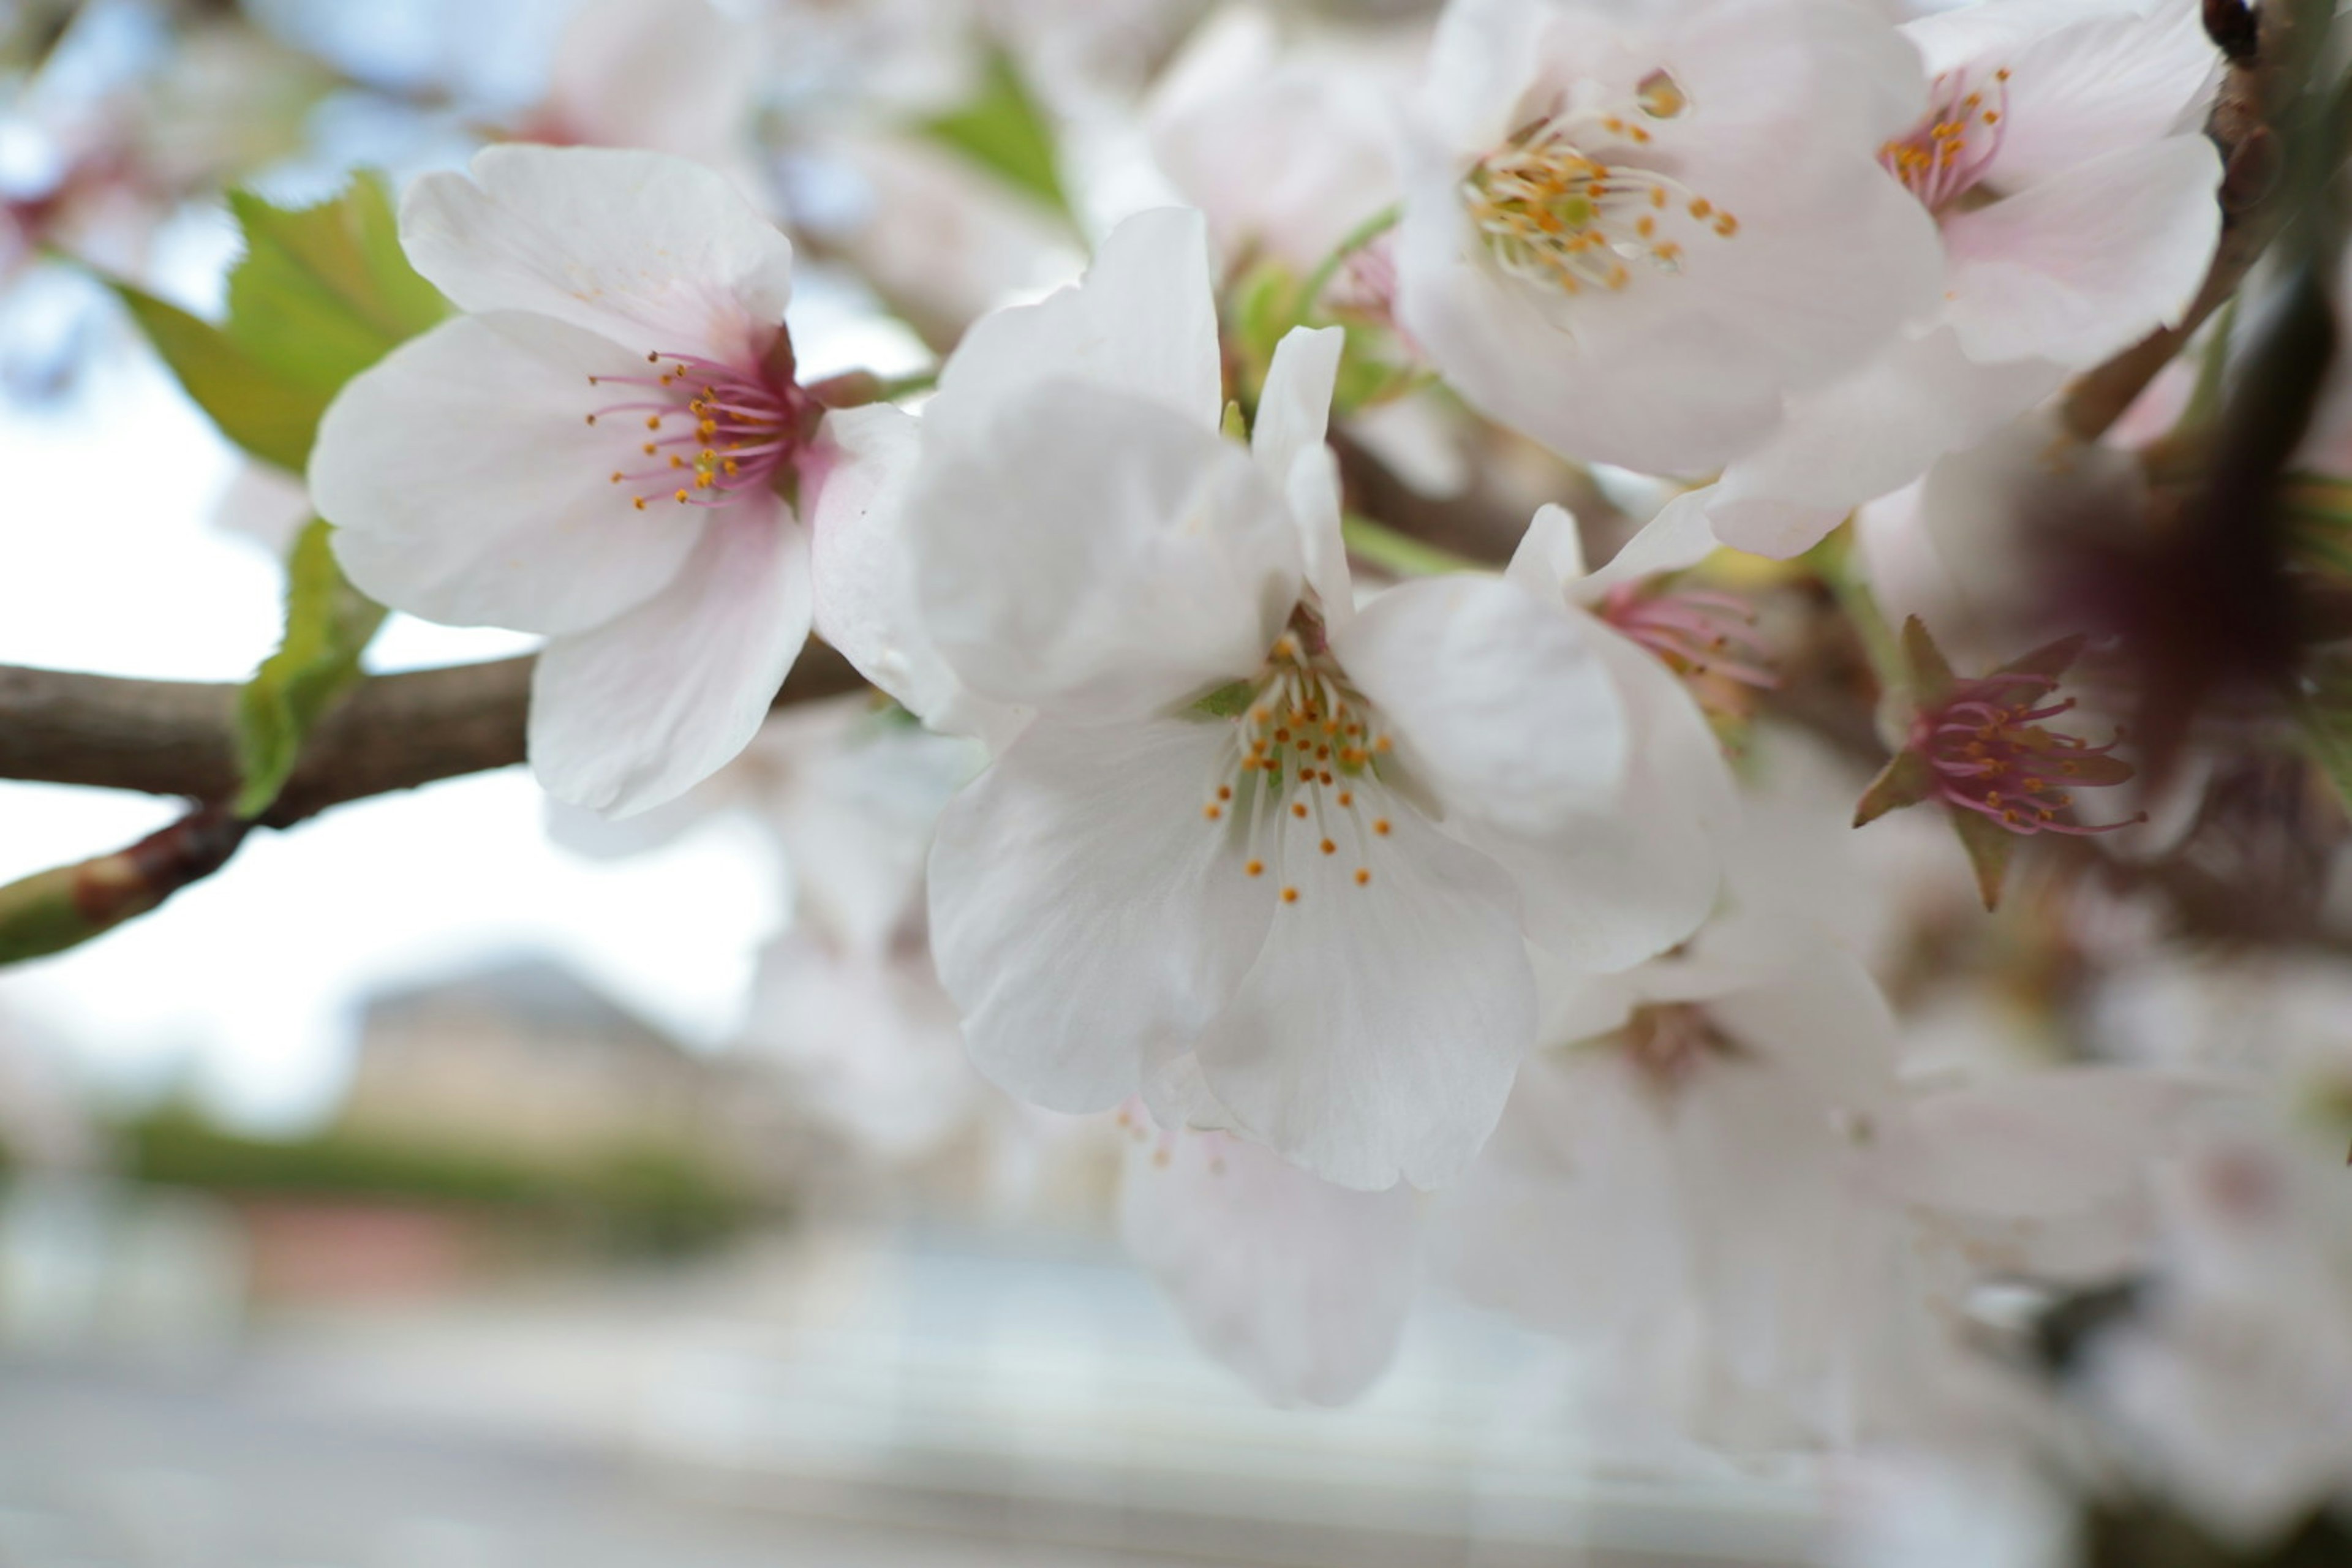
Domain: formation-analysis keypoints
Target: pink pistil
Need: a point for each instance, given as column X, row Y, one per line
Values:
column 1989, row 753
column 1694, row 632
column 710, row 432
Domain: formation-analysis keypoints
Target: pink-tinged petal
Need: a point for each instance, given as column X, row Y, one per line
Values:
column 1500, row 702
column 2086, row 78
column 1682, row 366
column 2089, row 262
column 1377, row 1035
column 1085, row 915
column 863, row 468
column 1143, row 322
column 466, row 487
column 666, row 75
column 1301, row 1286
column 1871, row 432
column 1099, row 557
column 659, row 254
column 1604, row 891
column 640, row 710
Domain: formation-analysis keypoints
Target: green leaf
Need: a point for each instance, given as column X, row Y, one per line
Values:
column 1906, row 781
column 1005, row 131
column 1226, row 700
column 321, row 293
column 327, row 626
column 255, row 406
column 1990, row 846
column 1400, row 553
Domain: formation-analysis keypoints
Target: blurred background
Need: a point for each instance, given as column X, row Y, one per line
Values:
column 456, row 1185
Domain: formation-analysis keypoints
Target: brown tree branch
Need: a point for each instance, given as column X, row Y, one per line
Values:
column 393, row 732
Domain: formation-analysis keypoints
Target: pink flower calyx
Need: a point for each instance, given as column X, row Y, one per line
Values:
column 1945, row 155
column 705, row 432
column 1982, row 745
column 1568, row 203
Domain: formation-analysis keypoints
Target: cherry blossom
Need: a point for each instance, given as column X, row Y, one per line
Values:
column 1631, row 235
column 2074, row 195
column 600, row 449
column 1271, row 860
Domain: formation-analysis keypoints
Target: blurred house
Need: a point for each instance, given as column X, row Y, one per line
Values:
column 525, row 1058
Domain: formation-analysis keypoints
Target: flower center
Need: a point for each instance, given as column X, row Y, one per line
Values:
column 1948, row 151
column 705, row 433
column 1555, row 209
column 1694, row 632
column 1298, row 784
column 1990, row 755
column 1669, row 1043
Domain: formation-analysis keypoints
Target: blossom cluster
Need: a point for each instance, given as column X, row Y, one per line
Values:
column 1469, row 928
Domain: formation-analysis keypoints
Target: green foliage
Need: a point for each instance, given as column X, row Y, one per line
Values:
column 325, row 291
column 321, row 294
column 1226, row 700
column 327, row 626
column 1005, row 131
column 636, row 1198
column 269, row 416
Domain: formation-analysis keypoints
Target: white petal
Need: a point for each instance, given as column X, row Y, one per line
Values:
column 1084, row 915
column 1550, row 559
column 1604, row 891
column 1377, row 1035
column 1294, row 414
column 1301, row 1286
column 466, row 487
column 2087, row 262
column 1678, row 371
column 1867, row 434
column 2086, row 77
column 1294, row 411
column 1143, row 322
column 659, row 254
column 1677, row 537
column 864, row 575
column 2038, row 1144
column 640, row 710
column 1822, row 1019
column 1568, row 1221
column 1497, row 700
column 1098, row 555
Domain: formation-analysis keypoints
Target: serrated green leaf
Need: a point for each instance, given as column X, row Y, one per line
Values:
column 1990, row 846
column 1005, row 131
column 327, row 626
column 321, row 293
column 254, row 406
column 1906, row 780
